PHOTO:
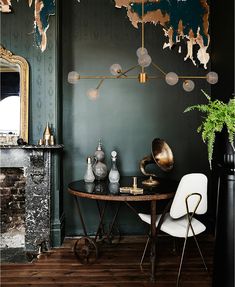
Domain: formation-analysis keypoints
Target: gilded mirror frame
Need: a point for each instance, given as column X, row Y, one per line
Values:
column 24, row 89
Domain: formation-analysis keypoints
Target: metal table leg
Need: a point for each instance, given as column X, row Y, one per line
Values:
column 85, row 248
column 101, row 230
column 100, row 226
column 80, row 215
column 109, row 235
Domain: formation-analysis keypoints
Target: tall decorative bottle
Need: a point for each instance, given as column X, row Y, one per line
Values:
column 89, row 175
column 114, row 174
column 99, row 167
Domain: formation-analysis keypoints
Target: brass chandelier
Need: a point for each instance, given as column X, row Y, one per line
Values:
column 144, row 61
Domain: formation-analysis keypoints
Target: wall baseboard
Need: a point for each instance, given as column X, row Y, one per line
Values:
column 58, row 231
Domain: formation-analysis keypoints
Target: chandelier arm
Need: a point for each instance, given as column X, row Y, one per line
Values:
column 126, row 71
column 108, row 77
column 98, row 77
column 130, row 77
column 154, row 77
column 134, row 76
column 158, row 68
column 100, row 83
column 192, row 77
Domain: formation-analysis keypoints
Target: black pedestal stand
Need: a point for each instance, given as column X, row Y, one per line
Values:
column 223, row 274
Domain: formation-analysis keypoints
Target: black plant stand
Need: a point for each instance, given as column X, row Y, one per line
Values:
column 223, row 274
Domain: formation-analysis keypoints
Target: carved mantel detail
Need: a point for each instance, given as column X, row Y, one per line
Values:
column 36, row 162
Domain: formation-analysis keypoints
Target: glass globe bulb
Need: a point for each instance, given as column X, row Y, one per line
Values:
column 115, row 69
column 141, row 52
column 171, row 78
column 212, row 78
column 73, row 77
column 144, row 60
column 93, row 94
column 188, row 85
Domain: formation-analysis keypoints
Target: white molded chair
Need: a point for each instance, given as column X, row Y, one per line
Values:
column 190, row 199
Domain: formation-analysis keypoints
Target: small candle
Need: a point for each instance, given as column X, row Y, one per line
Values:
column 134, row 182
column 52, row 141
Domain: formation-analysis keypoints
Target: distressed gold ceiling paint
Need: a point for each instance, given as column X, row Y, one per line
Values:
column 181, row 19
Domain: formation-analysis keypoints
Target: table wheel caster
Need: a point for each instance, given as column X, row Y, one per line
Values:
column 86, row 250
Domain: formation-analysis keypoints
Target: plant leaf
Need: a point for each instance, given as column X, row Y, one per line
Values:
column 217, row 115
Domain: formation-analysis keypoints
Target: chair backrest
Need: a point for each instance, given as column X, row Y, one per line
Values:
column 190, row 183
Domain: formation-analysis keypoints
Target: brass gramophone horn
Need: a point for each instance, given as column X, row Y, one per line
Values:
column 161, row 155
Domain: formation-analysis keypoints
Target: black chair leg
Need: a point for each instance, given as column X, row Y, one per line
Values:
column 181, row 262
column 199, row 249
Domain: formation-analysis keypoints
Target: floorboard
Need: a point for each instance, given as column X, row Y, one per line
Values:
column 117, row 265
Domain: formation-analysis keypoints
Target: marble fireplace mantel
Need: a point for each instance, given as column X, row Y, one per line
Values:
column 37, row 164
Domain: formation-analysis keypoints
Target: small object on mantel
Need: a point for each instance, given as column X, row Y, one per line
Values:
column 40, row 142
column 48, row 137
column 52, row 140
column 47, row 133
column 20, row 141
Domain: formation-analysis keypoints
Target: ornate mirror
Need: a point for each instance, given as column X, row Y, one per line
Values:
column 14, row 75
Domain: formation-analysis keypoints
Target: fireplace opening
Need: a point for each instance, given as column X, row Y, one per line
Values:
column 12, row 192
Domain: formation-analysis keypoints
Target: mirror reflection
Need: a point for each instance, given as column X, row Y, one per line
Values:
column 14, row 76
column 10, row 98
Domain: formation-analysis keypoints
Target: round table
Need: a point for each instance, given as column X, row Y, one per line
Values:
column 105, row 191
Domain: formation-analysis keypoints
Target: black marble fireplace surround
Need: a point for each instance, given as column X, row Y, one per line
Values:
column 36, row 163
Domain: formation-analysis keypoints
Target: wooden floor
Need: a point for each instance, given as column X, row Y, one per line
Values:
column 117, row 265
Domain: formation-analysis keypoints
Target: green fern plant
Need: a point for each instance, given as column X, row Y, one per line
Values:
column 217, row 115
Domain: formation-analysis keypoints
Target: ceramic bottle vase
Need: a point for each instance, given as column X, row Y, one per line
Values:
column 99, row 167
column 114, row 175
column 89, row 175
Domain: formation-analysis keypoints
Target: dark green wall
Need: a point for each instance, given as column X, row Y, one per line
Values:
column 128, row 115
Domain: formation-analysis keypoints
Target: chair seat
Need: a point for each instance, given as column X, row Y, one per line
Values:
column 175, row 227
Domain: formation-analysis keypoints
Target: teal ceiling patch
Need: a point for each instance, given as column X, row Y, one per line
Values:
column 182, row 21
column 42, row 10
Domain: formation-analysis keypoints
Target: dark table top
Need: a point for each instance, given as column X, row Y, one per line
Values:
column 104, row 190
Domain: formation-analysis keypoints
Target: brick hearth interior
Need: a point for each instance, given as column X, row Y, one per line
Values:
column 12, row 192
